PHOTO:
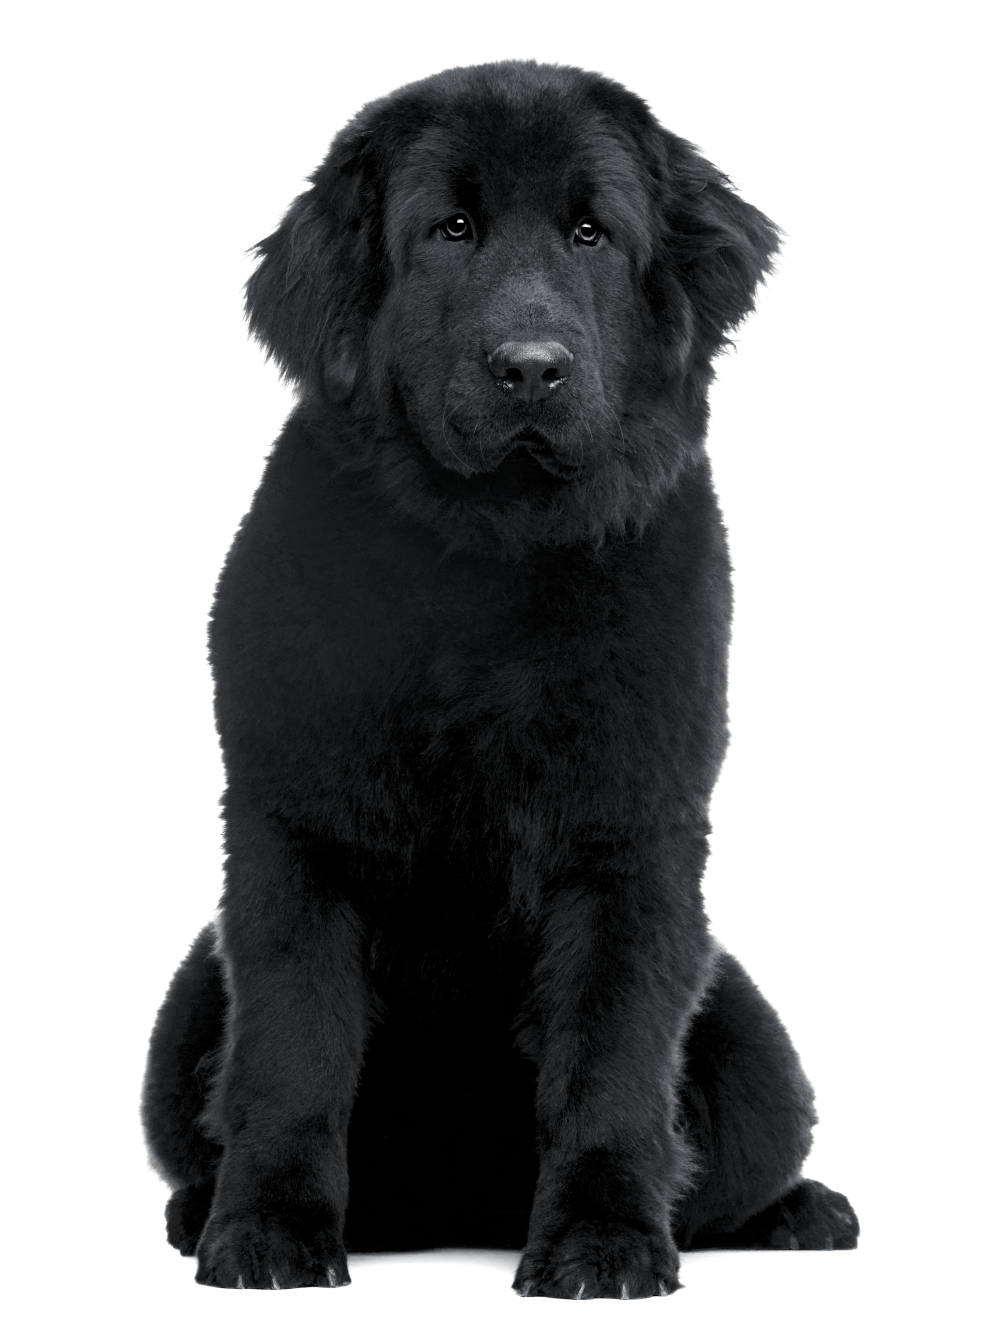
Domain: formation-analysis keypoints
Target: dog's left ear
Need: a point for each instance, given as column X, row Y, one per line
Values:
column 718, row 245
column 310, row 299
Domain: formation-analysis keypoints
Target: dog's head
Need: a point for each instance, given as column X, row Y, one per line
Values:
column 515, row 281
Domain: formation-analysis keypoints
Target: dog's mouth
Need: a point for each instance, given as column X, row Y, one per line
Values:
column 533, row 442
column 526, row 466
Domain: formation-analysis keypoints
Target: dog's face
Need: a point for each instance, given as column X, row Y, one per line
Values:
column 515, row 319
column 515, row 281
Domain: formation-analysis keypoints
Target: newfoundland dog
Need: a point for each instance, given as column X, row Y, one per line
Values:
column 470, row 657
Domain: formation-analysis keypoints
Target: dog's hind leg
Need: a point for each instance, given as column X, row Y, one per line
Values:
column 188, row 1029
column 748, row 1110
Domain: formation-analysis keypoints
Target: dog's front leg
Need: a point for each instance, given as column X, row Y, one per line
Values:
column 624, row 958
column 295, row 1035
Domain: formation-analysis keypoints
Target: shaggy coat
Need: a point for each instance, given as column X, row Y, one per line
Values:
column 470, row 658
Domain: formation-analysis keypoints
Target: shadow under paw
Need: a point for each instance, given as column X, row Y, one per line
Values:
column 599, row 1260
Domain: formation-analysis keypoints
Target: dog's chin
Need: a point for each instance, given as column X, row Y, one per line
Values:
column 528, row 467
column 519, row 475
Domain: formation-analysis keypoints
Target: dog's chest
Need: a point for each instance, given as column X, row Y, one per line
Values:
column 400, row 695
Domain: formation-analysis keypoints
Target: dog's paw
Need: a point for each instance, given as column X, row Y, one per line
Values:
column 599, row 1260
column 266, row 1251
column 812, row 1217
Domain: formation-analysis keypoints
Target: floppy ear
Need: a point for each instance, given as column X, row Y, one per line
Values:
column 720, row 247
column 320, row 275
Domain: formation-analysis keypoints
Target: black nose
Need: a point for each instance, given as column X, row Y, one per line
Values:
column 530, row 370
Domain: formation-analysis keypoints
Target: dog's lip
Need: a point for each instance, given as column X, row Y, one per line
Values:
column 533, row 441
column 539, row 446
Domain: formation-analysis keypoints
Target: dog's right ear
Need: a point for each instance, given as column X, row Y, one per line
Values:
column 321, row 274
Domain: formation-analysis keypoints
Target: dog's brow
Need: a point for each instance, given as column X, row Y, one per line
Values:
column 419, row 187
column 619, row 195
column 606, row 174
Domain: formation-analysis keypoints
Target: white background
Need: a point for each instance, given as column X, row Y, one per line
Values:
column 854, row 440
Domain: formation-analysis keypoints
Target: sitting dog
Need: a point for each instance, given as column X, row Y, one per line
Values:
column 470, row 651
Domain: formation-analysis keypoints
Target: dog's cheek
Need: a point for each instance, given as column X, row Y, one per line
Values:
column 608, row 309
column 676, row 322
column 341, row 371
column 420, row 335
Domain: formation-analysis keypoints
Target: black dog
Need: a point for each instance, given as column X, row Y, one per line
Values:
column 470, row 650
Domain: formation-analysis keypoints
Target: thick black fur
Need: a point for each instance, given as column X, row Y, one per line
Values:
column 470, row 655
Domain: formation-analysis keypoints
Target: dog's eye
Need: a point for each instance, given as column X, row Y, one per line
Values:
column 587, row 232
column 456, row 228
